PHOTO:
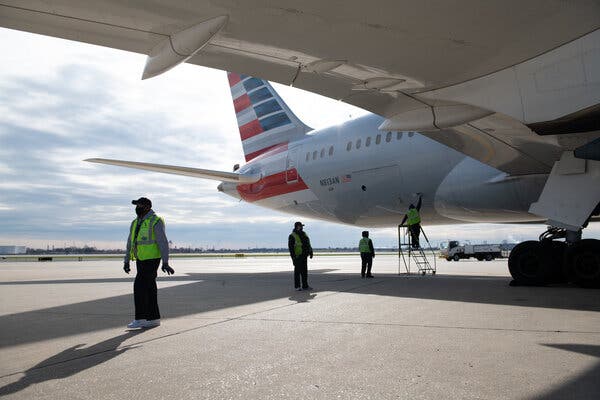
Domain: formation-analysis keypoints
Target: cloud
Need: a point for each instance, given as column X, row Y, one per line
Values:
column 84, row 102
column 62, row 102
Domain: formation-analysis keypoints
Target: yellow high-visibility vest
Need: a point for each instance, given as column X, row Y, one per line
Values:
column 144, row 246
column 413, row 217
column 297, row 244
column 363, row 245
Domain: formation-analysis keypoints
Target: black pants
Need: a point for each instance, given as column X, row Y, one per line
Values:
column 145, row 291
column 367, row 263
column 415, row 231
column 300, row 270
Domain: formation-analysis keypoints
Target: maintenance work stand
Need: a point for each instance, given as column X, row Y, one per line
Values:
column 417, row 257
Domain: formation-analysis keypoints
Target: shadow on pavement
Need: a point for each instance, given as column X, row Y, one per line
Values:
column 302, row 297
column 216, row 291
column 69, row 362
column 586, row 385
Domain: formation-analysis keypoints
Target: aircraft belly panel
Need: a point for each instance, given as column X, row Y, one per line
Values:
column 288, row 200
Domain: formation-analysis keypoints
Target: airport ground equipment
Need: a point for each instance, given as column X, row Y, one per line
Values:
column 454, row 251
column 419, row 256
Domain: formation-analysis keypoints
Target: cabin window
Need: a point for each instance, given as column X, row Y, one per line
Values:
column 322, row 152
column 308, row 156
column 388, row 137
column 349, row 146
column 411, row 134
column 378, row 139
column 358, row 144
column 399, row 135
column 368, row 142
column 331, row 151
column 315, row 155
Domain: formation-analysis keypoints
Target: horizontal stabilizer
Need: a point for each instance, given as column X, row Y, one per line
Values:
column 172, row 169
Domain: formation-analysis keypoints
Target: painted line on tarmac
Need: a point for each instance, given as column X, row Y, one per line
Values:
column 422, row 326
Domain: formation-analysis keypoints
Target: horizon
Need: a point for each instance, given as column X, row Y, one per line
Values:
column 64, row 101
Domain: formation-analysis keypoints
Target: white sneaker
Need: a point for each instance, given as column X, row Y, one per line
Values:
column 136, row 323
column 151, row 323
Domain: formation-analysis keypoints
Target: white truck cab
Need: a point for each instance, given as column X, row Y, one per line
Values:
column 453, row 250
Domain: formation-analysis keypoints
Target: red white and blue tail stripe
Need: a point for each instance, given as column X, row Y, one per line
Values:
column 264, row 120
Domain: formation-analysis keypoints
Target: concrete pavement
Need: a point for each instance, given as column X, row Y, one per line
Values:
column 235, row 328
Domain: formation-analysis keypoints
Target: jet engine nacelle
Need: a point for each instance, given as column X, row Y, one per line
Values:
column 475, row 192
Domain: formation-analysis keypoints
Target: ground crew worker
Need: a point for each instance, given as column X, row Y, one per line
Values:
column 147, row 244
column 413, row 220
column 300, row 250
column 367, row 253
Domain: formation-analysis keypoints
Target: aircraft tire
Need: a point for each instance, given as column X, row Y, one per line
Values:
column 527, row 264
column 582, row 263
column 554, row 256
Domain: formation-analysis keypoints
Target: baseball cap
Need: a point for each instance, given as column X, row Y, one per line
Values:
column 142, row 201
column 298, row 223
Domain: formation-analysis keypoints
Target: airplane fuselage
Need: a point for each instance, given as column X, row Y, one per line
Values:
column 354, row 173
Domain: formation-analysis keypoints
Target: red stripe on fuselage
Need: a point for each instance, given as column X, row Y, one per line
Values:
column 276, row 148
column 233, row 79
column 250, row 129
column 270, row 186
column 241, row 103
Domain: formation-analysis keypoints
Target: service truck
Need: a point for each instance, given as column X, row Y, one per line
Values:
column 453, row 250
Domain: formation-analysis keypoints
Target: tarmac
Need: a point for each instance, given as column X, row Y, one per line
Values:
column 235, row 328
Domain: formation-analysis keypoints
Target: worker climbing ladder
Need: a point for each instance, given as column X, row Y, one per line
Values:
column 418, row 257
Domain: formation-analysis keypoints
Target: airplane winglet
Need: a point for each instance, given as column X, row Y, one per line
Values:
column 186, row 171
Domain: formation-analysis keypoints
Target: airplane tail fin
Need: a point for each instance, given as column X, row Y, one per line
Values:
column 264, row 120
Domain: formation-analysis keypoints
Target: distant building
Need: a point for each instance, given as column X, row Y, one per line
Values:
column 9, row 250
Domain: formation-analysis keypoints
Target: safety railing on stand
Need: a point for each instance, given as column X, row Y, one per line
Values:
column 418, row 257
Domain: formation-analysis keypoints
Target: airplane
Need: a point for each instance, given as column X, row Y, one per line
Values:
column 504, row 95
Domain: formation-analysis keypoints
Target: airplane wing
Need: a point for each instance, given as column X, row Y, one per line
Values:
column 175, row 170
column 506, row 144
column 496, row 80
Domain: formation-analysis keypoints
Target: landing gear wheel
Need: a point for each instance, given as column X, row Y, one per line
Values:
column 582, row 263
column 526, row 264
column 456, row 257
column 554, row 255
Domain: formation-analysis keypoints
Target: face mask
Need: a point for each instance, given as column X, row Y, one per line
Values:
column 140, row 211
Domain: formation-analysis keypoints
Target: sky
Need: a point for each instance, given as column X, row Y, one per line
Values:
column 62, row 102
